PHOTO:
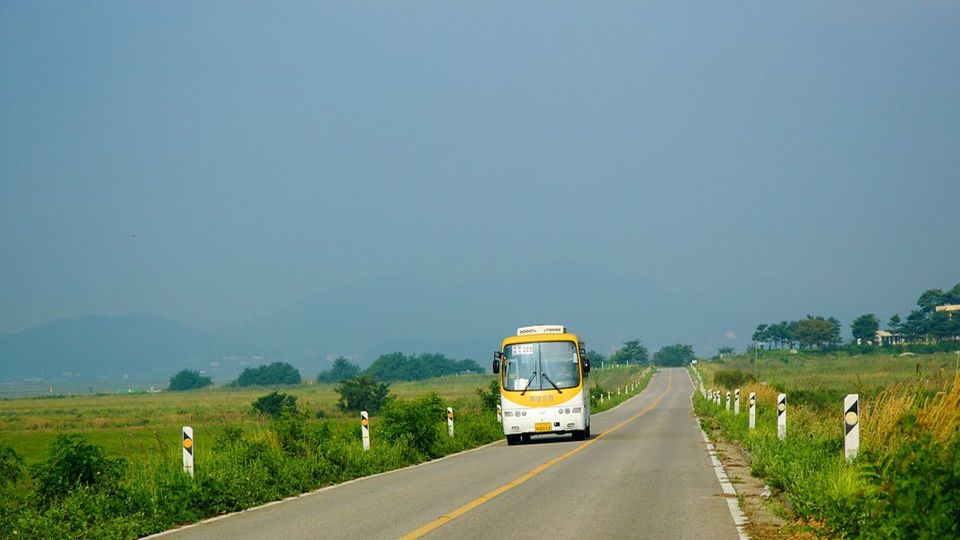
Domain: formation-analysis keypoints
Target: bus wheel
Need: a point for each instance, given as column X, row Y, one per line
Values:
column 586, row 433
column 579, row 435
column 513, row 440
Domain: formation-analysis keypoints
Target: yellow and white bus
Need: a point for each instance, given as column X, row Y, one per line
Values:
column 543, row 388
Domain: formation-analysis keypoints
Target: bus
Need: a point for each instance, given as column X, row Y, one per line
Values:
column 543, row 388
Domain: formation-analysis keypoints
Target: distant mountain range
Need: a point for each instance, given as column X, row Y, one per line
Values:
column 398, row 313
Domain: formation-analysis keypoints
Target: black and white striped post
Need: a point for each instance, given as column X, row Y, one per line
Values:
column 728, row 401
column 851, row 426
column 753, row 410
column 188, row 450
column 782, row 416
column 736, row 402
column 365, row 429
column 499, row 413
column 450, row 421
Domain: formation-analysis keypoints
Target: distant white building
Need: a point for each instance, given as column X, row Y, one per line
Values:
column 884, row 338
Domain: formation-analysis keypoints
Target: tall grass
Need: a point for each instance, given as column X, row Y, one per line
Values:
column 905, row 482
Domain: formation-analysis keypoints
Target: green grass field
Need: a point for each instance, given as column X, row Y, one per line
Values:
column 134, row 425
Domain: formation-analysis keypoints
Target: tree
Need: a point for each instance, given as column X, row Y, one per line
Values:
column 632, row 352
column 275, row 404
column 341, row 370
column 674, row 355
column 864, row 327
column 275, row 373
column 814, row 332
column 724, row 352
column 953, row 295
column 893, row 324
column 362, row 393
column 188, row 379
column 930, row 299
column 761, row 334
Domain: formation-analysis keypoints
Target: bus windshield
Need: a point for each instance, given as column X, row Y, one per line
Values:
column 540, row 366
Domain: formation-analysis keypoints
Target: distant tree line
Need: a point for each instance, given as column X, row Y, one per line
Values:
column 814, row 332
column 634, row 352
column 924, row 324
column 400, row 367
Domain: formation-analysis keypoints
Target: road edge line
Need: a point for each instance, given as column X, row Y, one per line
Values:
column 736, row 513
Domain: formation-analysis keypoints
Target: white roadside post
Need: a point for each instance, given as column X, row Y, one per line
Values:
column 365, row 429
column 601, row 398
column 188, row 450
column 736, row 402
column 782, row 416
column 499, row 413
column 753, row 410
column 450, row 421
column 851, row 426
column 728, row 401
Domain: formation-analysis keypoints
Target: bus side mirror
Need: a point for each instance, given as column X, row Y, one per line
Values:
column 497, row 355
column 585, row 360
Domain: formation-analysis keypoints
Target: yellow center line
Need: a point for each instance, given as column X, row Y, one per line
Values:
column 523, row 478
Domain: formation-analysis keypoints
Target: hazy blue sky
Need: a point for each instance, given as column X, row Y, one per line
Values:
column 212, row 162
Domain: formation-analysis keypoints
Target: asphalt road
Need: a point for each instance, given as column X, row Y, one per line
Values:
column 644, row 474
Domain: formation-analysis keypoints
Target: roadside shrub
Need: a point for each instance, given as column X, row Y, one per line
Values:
column 73, row 462
column 415, row 423
column 362, row 393
column 733, row 378
column 489, row 397
column 276, row 404
column 11, row 466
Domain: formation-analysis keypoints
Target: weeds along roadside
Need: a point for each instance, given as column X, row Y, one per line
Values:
column 236, row 469
column 905, row 483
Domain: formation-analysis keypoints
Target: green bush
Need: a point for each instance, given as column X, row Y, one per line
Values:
column 415, row 423
column 11, row 466
column 489, row 397
column 188, row 379
column 276, row 404
column 73, row 462
column 733, row 378
column 275, row 373
column 362, row 393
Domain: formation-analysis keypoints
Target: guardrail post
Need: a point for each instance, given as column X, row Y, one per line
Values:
column 728, row 401
column 365, row 429
column 736, row 402
column 753, row 410
column 188, row 450
column 851, row 426
column 450, row 421
column 782, row 416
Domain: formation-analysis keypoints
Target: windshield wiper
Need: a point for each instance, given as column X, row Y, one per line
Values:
column 555, row 387
column 532, row 375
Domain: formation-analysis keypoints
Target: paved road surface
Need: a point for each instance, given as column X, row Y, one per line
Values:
column 644, row 474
